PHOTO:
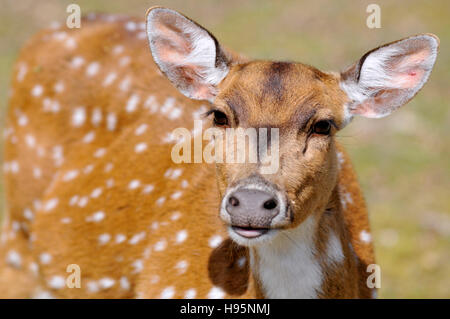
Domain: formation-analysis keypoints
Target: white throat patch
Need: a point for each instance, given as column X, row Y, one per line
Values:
column 287, row 267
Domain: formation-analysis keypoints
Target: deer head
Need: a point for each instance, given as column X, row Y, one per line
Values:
column 306, row 106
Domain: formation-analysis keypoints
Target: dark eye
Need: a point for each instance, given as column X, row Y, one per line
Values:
column 220, row 118
column 322, row 127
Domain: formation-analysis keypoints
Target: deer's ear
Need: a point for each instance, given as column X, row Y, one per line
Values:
column 389, row 76
column 186, row 53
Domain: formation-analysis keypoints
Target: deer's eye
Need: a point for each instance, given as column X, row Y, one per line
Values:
column 322, row 127
column 220, row 118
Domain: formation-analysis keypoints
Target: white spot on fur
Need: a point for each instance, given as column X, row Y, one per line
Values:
column 104, row 239
column 184, row 184
column 88, row 169
column 374, row 294
column 176, row 195
column 216, row 293
column 160, row 201
column 154, row 279
column 97, row 116
column 22, row 120
column 173, row 173
column 181, row 267
column 134, row 184
column 340, row 158
column 28, row 214
column 78, row 116
column 132, row 103
column 241, row 262
column 125, row 84
column 58, row 87
column 30, row 140
column 124, row 283
column 42, row 294
column 70, row 175
column 106, row 283
column 73, row 200
column 14, row 259
column 190, row 293
column 23, row 69
column 66, row 220
column 34, row 268
column 92, row 287
column 155, row 225
column 148, row 189
column 50, row 204
column 108, row 167
column 151, row 104
column 124, row 61
column 89, row 137
column 45, row 258
column 141, row 129
column 111, row 121
column 175, row 216
column 77, row 62
column 70, row 43
column 120, row 238
column 168, row 293
column 141, row 147
column 109, row 182
column 215, row 241
column 160, row 245
column 56, row 282
column 96, row 192
column 83, row 201
column 49, row 105
column 175, row 113
column 100, row 152
column 92, row 69
column 14, row 167
column 137, row 238
column 131, row 26
column 109, row 79
column 96, row 217
column 365, row 236
column 37, row 90
column 181, row 236
column 138, row 266
column 118, row 49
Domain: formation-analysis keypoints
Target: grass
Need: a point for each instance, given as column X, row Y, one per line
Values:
column 402, row 161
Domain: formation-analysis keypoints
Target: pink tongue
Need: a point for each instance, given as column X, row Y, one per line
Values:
column 249, row 233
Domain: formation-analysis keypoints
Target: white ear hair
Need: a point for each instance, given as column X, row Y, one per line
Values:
column 388, row 77
column 186, row 53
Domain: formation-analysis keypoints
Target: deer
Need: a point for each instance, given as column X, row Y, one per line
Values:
column 90, row 179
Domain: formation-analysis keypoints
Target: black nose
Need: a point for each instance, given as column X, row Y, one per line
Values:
column 252, row 207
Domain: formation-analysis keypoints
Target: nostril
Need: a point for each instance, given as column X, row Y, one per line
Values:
column 233, row 201
column 270, row 204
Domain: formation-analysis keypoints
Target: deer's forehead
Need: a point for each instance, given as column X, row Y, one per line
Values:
column 278, row 92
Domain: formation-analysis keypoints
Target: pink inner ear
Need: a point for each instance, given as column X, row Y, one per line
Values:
column 175, row 48
column 409, row 79
column 409, row 72
column 170, row 56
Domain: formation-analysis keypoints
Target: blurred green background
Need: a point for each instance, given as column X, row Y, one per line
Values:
column 402, row 161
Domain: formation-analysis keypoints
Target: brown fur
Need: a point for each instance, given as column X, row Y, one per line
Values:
column 260, row 93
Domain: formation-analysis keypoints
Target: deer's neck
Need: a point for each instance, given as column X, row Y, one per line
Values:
column 296, row 264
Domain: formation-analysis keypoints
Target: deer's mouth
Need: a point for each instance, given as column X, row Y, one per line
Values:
column 249, row 232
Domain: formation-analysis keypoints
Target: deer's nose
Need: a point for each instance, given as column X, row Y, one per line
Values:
column 252, row 208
